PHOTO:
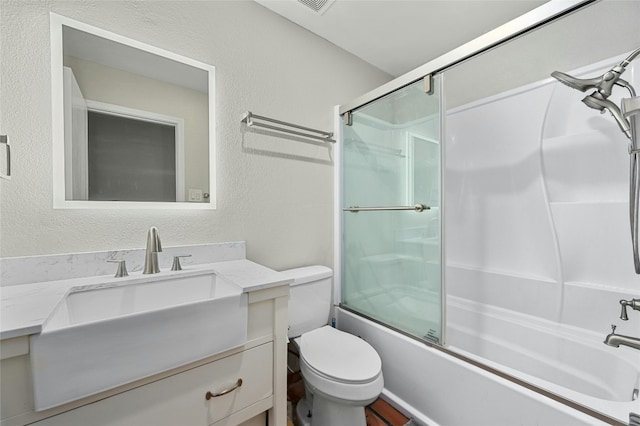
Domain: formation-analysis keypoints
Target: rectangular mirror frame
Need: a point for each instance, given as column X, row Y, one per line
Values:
column 57, row 102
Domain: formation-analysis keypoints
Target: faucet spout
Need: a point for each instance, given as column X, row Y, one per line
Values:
column 616, row 340
column 151, row 253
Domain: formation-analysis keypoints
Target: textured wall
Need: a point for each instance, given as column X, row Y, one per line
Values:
column 272, row 192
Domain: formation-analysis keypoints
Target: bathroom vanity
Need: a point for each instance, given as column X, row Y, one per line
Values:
column 244, row 385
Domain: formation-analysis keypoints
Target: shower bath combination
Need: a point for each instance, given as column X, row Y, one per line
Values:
column 628, row 118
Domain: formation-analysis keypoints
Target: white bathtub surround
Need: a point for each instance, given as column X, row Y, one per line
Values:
column 537, row 204
column 538, row 245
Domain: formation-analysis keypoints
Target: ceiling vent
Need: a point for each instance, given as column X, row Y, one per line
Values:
column 318, row 6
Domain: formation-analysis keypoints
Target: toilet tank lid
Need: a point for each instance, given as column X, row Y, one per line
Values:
column 307, row 274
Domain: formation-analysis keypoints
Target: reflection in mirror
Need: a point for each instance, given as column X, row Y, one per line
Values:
column 133, row 124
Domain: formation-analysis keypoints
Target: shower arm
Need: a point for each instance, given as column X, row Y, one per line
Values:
column 630, row 58
column 612, row 77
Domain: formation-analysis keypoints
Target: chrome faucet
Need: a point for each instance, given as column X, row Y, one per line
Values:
column 151, row 254
column 616, row 340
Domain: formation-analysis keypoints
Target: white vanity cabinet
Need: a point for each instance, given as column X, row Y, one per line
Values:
column 176, row 397
column 180, row 399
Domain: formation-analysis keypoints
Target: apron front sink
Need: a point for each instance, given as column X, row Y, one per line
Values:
column 104, row 336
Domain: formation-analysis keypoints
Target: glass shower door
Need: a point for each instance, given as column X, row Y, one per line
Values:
column 391, row 243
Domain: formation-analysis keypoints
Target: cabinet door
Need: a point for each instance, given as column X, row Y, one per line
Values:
column 180, row 399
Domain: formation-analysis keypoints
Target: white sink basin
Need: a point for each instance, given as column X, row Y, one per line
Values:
column 134, row 327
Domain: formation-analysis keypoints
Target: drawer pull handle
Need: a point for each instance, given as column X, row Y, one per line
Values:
column 210, row 395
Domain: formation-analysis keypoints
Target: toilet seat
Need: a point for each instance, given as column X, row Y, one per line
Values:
column 340, row 356
column 340, row 365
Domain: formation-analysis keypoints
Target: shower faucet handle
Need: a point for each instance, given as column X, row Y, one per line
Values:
column 633, row 303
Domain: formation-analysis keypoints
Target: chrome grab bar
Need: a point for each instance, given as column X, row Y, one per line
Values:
column 355, row 209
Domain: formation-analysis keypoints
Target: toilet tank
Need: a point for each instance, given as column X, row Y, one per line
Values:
column 310, row 298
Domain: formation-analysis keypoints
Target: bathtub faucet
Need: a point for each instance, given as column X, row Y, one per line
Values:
column 633, row 303
column 616, row 340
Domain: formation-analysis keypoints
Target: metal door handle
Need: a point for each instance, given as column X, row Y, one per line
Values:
column 355, row 209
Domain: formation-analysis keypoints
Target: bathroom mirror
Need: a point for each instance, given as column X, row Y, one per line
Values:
column 133, row 125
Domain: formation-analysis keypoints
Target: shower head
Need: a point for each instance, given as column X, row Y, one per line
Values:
column 603, row 84
column 581, row 84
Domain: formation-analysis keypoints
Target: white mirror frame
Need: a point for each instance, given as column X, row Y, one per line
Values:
column 57, row 102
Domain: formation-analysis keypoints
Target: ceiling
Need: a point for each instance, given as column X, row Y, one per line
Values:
column 397, row 36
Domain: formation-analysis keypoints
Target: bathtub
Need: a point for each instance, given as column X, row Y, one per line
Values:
column 573, row 358
column 441, row 389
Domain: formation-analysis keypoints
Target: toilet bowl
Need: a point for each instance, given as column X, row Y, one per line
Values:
column 342, row 373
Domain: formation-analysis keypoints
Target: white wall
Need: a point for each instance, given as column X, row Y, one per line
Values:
column 274, row 193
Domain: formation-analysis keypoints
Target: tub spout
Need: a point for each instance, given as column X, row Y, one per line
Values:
column 616, row 340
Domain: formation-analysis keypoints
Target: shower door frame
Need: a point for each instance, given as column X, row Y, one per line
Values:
column 339, row 229
column 521, row 25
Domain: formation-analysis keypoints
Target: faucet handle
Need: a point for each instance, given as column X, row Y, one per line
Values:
column 633, row 303
column 613, row 328
column 122, row 267
column 176, row 262
column 623, row 310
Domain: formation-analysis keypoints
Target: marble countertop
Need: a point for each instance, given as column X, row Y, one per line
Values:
column 24, row 308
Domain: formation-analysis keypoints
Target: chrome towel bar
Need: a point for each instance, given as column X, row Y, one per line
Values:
column 249, row 119
column 355, row 209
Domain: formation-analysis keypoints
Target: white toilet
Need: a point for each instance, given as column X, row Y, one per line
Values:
column 342, row 373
